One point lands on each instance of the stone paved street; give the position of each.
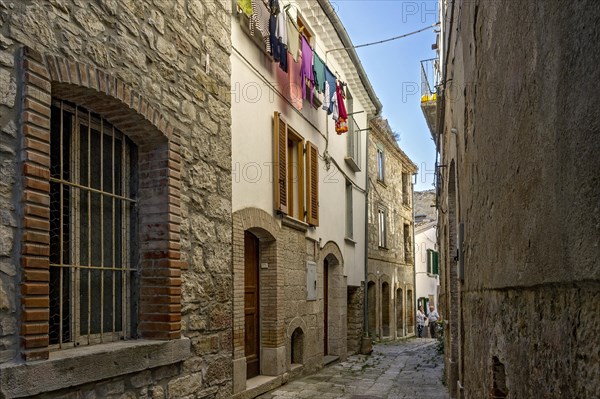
(404, 369)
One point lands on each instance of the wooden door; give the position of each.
(325, 305)
(251, 306)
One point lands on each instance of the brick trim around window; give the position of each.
(159, 165)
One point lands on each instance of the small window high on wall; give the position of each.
(382, 223)
(349, 211)
(380, 164)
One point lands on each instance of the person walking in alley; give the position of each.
(420, 321)
(433, 318)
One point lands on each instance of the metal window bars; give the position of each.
(91, 200)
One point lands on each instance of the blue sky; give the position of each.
(394, 67)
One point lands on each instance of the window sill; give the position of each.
(82, 365)
(382, 183)
(352, 164)
(294, 223)
(350, 241)
(385, 248)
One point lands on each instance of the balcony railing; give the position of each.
(430, 80)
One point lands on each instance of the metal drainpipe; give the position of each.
(414, 261)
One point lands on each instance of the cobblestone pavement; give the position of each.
(403, 369)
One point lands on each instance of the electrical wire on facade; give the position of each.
(385, 40)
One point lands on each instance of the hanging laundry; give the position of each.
(293, 38)
(306, 71)
(282, 37)
(341, 124)
(275, 48)
(319, 70)
(259, 20)
(295, 82)
(329, 91)
(283, 57)
(281, 31)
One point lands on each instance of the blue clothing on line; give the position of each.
(331, 81)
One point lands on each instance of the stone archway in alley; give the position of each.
(410, 316)
(372, 308)
(399, 313)
(385, 308)
(334, 301)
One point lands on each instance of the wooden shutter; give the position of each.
(436, 262)
(312, 184)
(280, 190)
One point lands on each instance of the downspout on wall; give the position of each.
(366, 344)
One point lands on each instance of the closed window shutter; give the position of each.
(312, 184)
(280, 164)
(436, 267)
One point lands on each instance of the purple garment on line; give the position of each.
(306, 70)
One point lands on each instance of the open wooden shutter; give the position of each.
(280, 190)
(436, 262)
(312, 184)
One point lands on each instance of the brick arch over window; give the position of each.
(159, 165)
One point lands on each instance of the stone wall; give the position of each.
(526, 188)
(175, 56)
(394, 263)
(356, 317)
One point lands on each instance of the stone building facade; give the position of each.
(518, 199)
(391, 273)
(298, 205)
(115, 198)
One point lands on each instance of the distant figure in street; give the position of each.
(420, 321)
(433, 317)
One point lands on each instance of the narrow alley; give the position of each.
(402, 369)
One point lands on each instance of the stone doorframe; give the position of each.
(337, 299)
(390, 318)
(373, 319)
(272, 331)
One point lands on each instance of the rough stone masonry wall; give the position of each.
(161, 49)
(528, 187)
(356, 317)
(308, 314)
(390, 263)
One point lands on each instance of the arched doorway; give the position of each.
(385, 309)
(399, 313)
(410, 317)
(251, 305)
(372, 297)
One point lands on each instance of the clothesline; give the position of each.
(285, 8)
